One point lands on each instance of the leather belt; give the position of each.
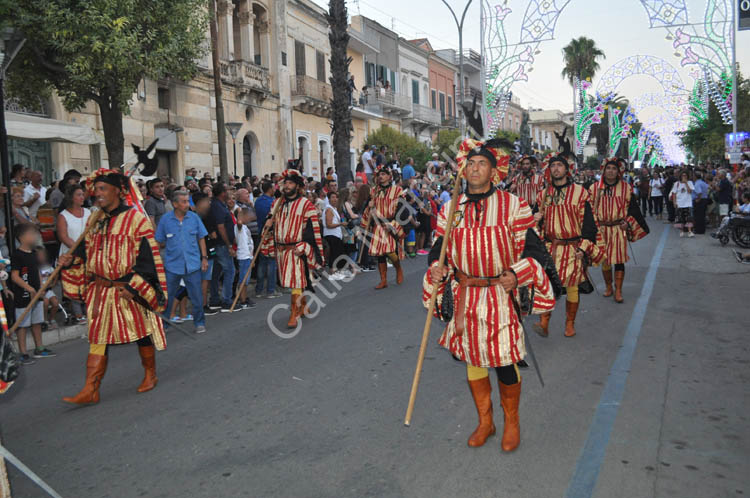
(465, 281)
(287, 244)
(563, 242)
(105, 282)
(611, 223)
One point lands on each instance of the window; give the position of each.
(450, 105)
(283, 59)
(163, 98)
(370, 74)
(442, 105)
(434, 97)
(415, 91)
(299, 58)
(320, 62)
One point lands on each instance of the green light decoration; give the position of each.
(619, 127)
(589, 112)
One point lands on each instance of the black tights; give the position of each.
(507, 375)
(142, 342)
(619, 266)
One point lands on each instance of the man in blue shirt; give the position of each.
(224, 261)
(181, 235)
(408, 170)
(266, 264)
(700, 202)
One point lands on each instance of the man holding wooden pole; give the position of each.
(125, 283)
(483, 270)
(293, 235)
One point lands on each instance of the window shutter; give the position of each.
(299, 58)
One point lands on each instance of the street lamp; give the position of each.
(460, 26)
(11, 42)
(234, 129)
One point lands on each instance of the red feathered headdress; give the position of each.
(496, 150)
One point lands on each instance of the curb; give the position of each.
(56, 336)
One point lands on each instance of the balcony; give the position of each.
(387, 101)
(449, 122)
(247, 77)
(311, 96)
(472, 61)
(365, 42)
(469, 93)
(426, 115)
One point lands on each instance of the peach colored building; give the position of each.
(442, 96)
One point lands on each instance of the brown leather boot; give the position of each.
(96, 366)
(148, 360)
(399, 271)
(304, 309)
(383, 268)
(294, 311)
(571, 309)
(481, 391)
(619, 277)
(607, 274)
(510, 397)
(542, 326)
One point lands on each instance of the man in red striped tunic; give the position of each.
(385, 231)
(296, 241)
(126, 285)
(483, 271)
(528, 183)
(618, 219)
(569, 230)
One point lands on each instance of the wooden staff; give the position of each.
(92, 221)
(433, 299)
(255, 257)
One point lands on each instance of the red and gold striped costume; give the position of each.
(488, 237)
(611, 205)
(121, 248)
(384, 241)
(295, 228)
(562, 229)
(528, 187)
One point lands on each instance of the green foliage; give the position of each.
(447, 141)
(102, 49)
(580, 59)
(591, 162)
(705, 141)
(510, 136)
(406, 145)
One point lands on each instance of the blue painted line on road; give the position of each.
(589, 462)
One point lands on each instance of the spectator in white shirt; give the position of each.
(368, 162)
(682, 196)
(245, 250)
(34, 194)
(656, 184)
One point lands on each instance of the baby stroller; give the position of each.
(736, 226)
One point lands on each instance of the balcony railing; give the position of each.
(450, 122)
(425, 114)
(367, 37)
(246, 75)
(310, 87)
(469, 93)
(469, 56)
(390, 100)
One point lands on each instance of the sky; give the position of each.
(619, 27)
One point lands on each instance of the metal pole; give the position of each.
(734, 75)
(482, 74)
(5, 168)
(234, 153)
(460, 26)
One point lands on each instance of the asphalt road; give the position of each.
(241, 412)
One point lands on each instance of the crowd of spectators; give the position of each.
(208, 229)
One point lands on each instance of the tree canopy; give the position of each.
(100, 50)
(406, 145)
(580, 59)
(705, 141)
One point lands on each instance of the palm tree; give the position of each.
(340, 111)
(580, 59)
